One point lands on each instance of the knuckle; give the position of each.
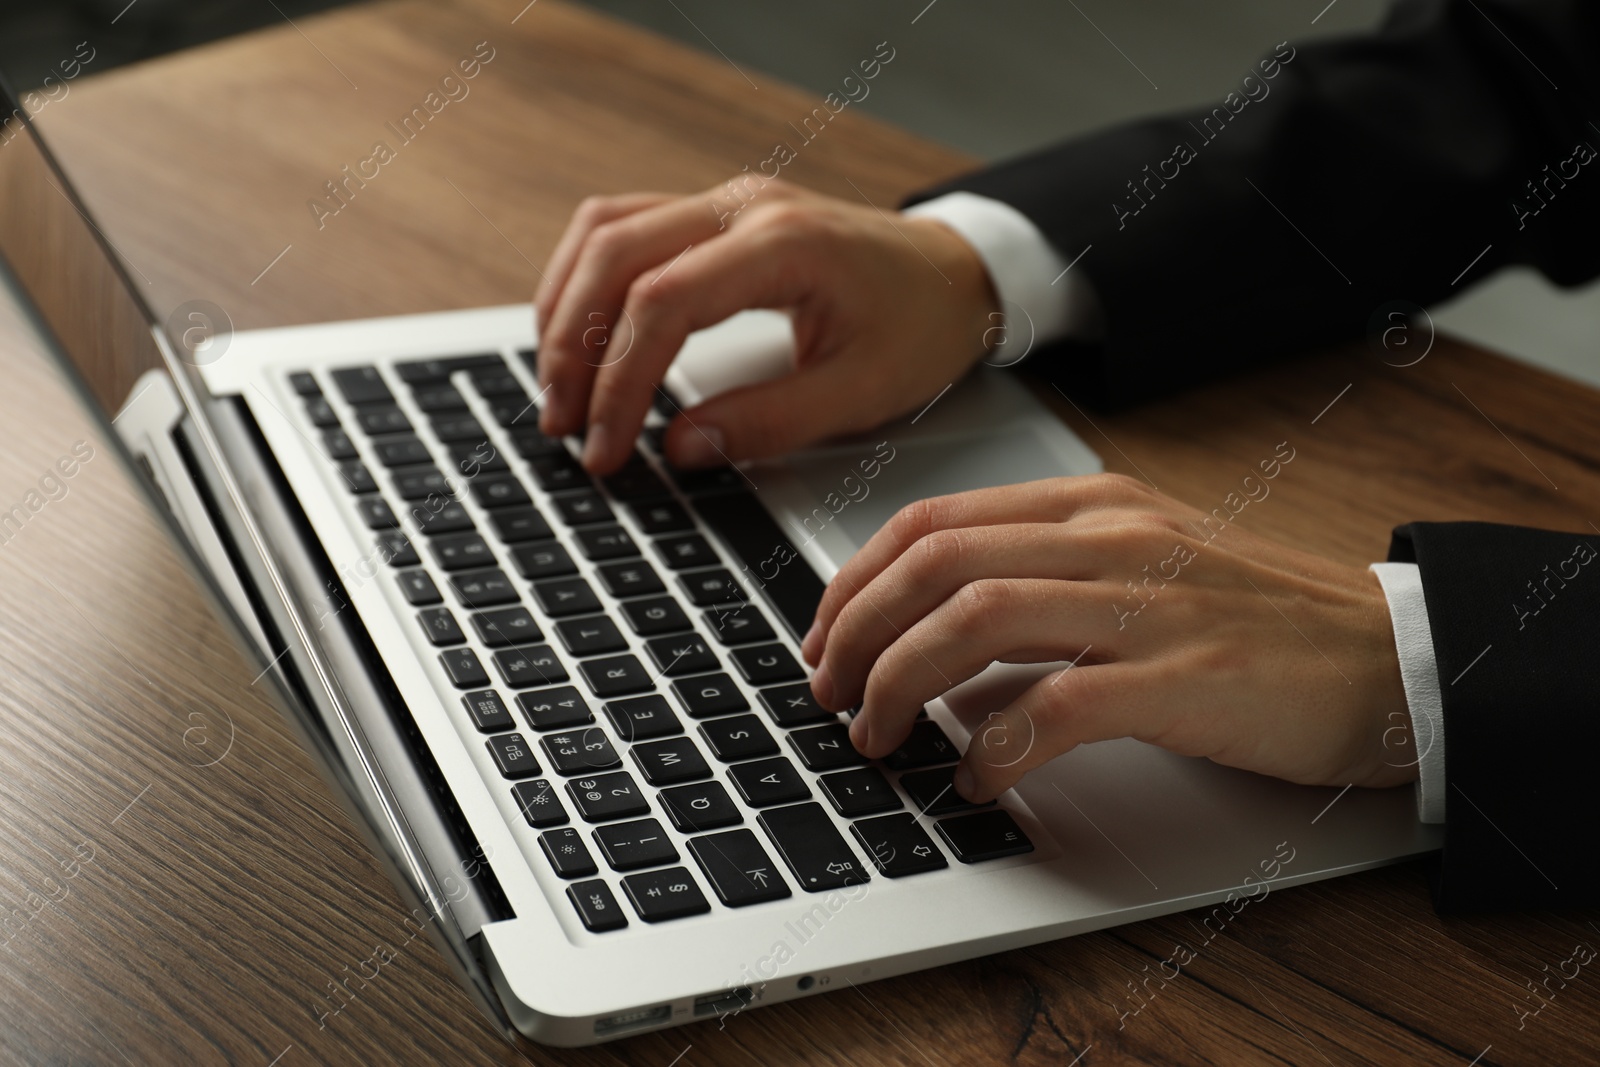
(917, 520)
(979, 603)
(940, 552)
(1115, 486)
(592, 210)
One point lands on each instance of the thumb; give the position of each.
(769, 418)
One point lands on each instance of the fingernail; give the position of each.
(594, 445)
(822, 685)
(963, 782)
(860, 734)
(700, 447)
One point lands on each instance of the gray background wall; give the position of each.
(994, 77)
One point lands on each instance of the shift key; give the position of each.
(812, 847)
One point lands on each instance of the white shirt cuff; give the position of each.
(1419, 673)
(1043, 296)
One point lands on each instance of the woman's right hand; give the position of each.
(888, 310)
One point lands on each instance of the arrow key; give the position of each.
(738, 868)
(898, 845)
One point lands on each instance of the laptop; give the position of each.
(572, 711)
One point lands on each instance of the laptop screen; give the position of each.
(74, 278)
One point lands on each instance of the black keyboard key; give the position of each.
(860, 792)
(710, 480)
(539, 803)
(662, 895)
(506, 626)
(596, 907)
(632, 577)
(461, 552)
(558, 472)
(642, 718)
(670, 761)
(766, 664)
(600, 543)
(580, 509)
(738, 737)
(709, 694)
(984, 835)
(420, 483)
(933, 792)
(698, 807)
(395, 548)
(567, 853)
(379, 419)
(812, 847)
(616, 676)
(794, 705)
(759, 543)
(520, 524)
(304, 384)
(420, 371)
(484, 589)
(636, 481)
(686, 552)
(716, 586)
(826, 747)
(565, 596)
(462, 665)
(321, 413)
(555, 709)
(661, 516)
(418, 588)
(768, 781)
(496, 382)
(475, 458)
(627, 846)
(738, 625)
(356, 478)
(362, 385)
(455, 426)
(513, 756)
(580, 751)
(338, 446)
(526, 666)
(440, 515)
(660, 615)
(738, 868)
(499, 491)
(926, 746)
(607, 796)
(592, 636)
(530, 443)
(438, 397)
(441, 627)
(488, 711)
(376, 513)
(543, 560)
(402, 451)
(899, 845)
(678, 654)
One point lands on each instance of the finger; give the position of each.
(613, 256)
(1075, 706)
(995, 620)
(591, 213)
(942, 566)
(1050, 500)
(754, 267)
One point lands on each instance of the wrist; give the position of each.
(974, 302)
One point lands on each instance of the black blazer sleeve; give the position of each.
(1362, 171)
(1516, 618)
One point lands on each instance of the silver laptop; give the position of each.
(573, 712)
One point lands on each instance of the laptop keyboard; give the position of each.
(620, 675)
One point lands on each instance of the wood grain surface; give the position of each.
(228, 885)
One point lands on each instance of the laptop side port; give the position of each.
(631, 1020)
(724, 1002)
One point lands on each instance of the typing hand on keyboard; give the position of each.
(1187, 632)
(888, 310)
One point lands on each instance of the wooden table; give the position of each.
(227, 884)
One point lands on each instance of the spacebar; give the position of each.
(771, 562)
